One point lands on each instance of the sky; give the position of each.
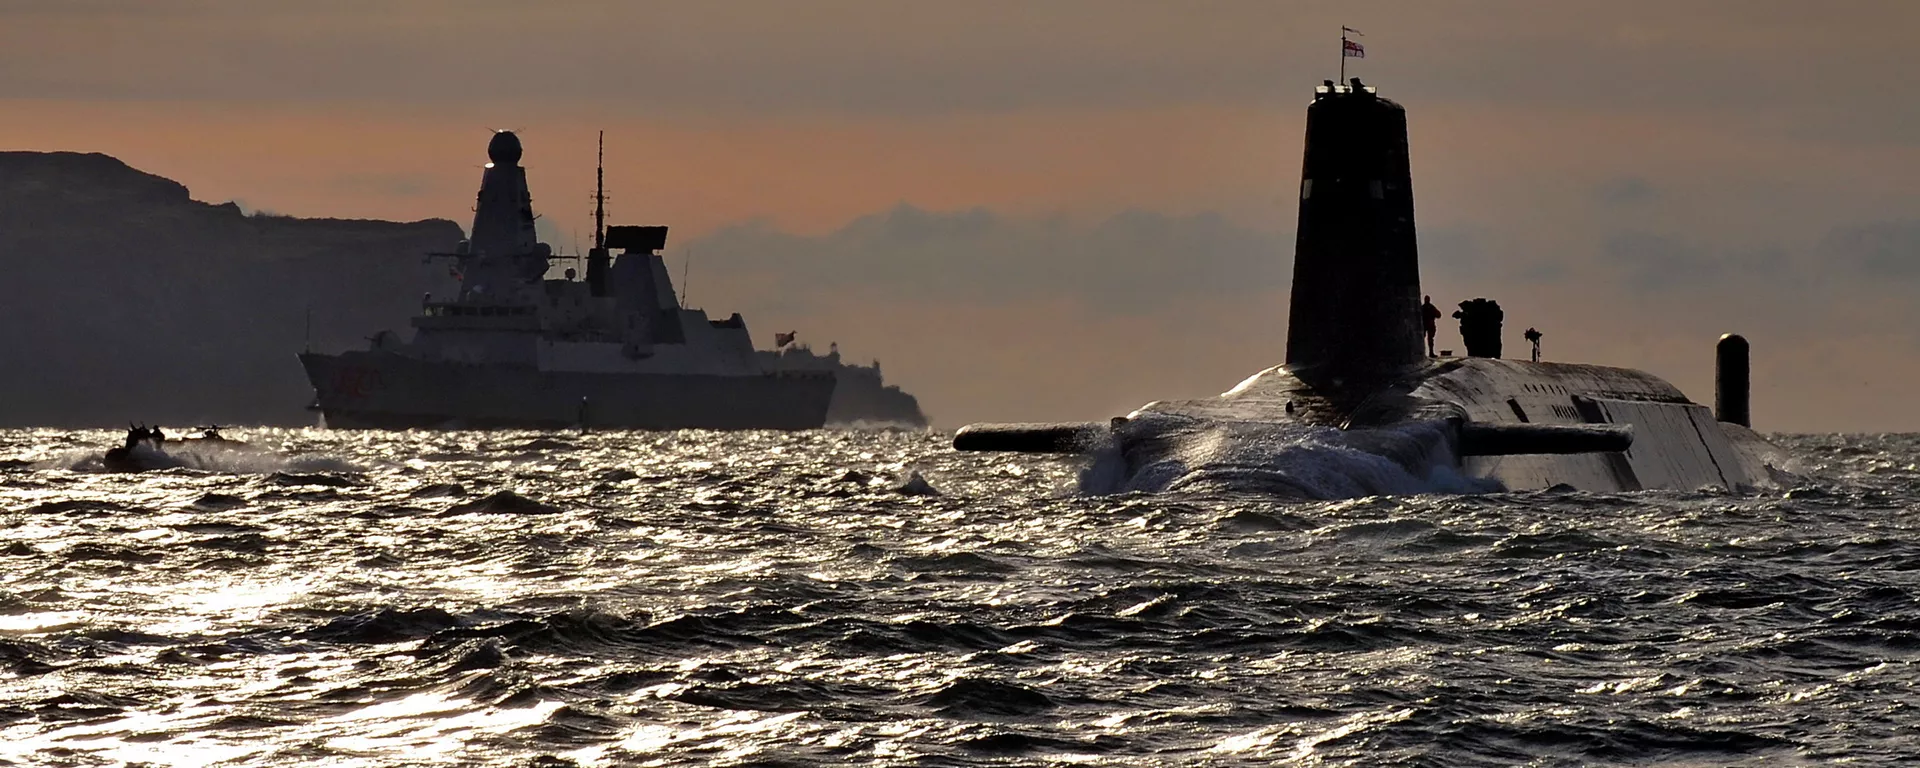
(1065, 209)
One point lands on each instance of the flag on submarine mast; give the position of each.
(1349, 50)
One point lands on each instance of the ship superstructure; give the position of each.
(611, 349)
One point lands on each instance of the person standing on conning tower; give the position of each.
(1429, 321)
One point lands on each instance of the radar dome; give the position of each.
(504, 149)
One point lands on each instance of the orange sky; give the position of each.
(1561, 152)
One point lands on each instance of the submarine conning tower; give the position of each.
(1356, 271)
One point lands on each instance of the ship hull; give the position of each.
(861, 398)
(376, 390)
(860, 402)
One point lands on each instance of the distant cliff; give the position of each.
(122, 298)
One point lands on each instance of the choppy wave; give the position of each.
(512, 599)
(1299, 461)
(213, 457)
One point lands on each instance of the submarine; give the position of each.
(1360, 408)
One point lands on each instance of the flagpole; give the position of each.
(1347, 48)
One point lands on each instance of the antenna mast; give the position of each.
(600, 195)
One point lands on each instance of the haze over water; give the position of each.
(772, 599)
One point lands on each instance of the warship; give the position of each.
(513, 349)
(1360, 408)
(861, 395)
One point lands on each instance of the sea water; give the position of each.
(874, 598)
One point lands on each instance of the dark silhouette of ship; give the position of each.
(611, 349)
(861, 395)
(1357, 371)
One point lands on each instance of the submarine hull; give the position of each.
(375, 390)
(1675, 444)
(1357, 410)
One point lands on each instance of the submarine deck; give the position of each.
(1678, 444)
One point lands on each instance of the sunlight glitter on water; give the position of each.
(40, 622)
(418, 725)
(237, 601)
(704, 598)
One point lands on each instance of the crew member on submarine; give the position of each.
(1430, 321)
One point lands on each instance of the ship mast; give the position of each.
(598, 263)
(600, 195)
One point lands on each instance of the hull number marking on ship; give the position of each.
(356, 382)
